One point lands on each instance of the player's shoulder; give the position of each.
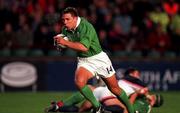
(134, 81)
(85, 23)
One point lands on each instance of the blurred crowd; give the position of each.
(124, 26)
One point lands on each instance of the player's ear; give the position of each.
(159, 100)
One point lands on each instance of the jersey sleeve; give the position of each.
(86, 35)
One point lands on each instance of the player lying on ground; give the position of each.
(134, 87)
(142, 103)
(141, 100)
(109, 102)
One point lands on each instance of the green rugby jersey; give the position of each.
(85, 34)
(142, 105)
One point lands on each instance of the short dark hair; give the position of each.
(159, 100)
(73, 11)
(130, 70)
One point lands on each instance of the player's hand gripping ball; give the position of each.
(61, 36)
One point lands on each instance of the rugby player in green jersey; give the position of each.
(92, 61)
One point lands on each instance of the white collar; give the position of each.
(78, 22)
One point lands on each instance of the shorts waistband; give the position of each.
(84, 58)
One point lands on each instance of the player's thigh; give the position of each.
(82, 75)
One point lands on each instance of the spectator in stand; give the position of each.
(139, 11)
(108, 20)
(7, 37)
(171, 7)
(35, 12)
(51, 16)
(24, 37)
(158, 40)
(174, 29)
(41, 36)
(9, 14)
(123, 18)
(160, 16)
(135, 39)
(103, 39)
(116, 38)
(22, 20)
(101, 9)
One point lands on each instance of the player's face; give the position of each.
(69, 21)
(136, 74)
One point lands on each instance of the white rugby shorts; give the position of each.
(99, 64)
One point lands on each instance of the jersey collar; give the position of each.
(78, 22)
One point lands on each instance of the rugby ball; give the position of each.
(64, 37)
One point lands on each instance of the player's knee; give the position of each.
(80, 84)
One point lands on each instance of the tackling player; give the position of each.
(137, 91)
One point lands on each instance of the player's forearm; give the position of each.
(133, 98)
(76, 46)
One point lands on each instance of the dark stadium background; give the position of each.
(144, 34)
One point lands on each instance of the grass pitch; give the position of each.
(27, 102)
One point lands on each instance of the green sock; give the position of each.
(74, 99)
(88, 94)
(123, 98)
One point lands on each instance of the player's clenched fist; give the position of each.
(60, 40)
